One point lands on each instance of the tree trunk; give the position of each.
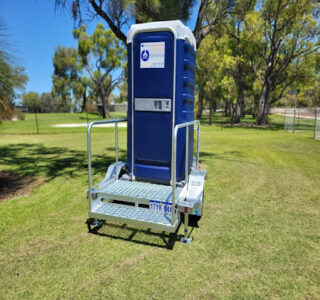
(231, 113)
(263, 104)
(105, 112)
(200, 102)
(238, 112)
(210, 111)
(240, 101)
(214, 107)
(226, 109)
(84, 101)
(210, 104)
(242, 109)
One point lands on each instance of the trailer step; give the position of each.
(133, 215)
(141, 191)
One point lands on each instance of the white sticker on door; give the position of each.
(152, 55)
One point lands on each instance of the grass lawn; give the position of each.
(258, 238)
(46, 122)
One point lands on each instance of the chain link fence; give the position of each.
(289, 119)
(302, 119)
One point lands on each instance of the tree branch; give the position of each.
(116, 29)
(91, 75)
(257, 73)
(198, 26)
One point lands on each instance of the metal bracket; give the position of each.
(186, 240)
(97, 224)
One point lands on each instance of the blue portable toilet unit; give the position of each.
(161, 79)
(165, 184)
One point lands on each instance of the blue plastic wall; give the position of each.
(153, 130)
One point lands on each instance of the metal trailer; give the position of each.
(161, 184)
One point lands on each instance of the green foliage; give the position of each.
(216, 67)
(66, 68)
(263, 51)
(20, 116)
(123, 96)
(12, 78)
(32, 100)
(48, 103)
(288, 31)
(162, 10)
(103, 50)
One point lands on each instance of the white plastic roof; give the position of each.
(182, 32)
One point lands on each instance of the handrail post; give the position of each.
(89, 163)
(173, 175)
(198, 145)
(186, 176)
(117, 150)
(116, 121)
(173, 158)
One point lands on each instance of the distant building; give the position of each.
(22, 108)
(117, 107)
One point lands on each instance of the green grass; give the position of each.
(47, 120)
(258, 238)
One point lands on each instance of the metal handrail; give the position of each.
(116, 121)
(174, 158)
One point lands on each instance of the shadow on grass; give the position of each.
(234, 156)
(114, 149)
(14, 185)
(51, 162)
(247, 122)
(146, 237)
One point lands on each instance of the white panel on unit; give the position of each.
(151, 104)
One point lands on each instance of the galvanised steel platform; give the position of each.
(138, 216)
(141, 192)
(120, 198)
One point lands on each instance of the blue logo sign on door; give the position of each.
(145, 55)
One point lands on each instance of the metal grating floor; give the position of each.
(132, 213)
(141, 190)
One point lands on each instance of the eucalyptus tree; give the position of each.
(102, 56)
(79, 89)
(304, 80)
(119, 14)
(66, 72)
(216, 66)
(284, 30)
(235, 28)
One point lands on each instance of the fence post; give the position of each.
(294, 119)
(285, 119)
(315, 124)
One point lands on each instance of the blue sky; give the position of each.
(35, 30)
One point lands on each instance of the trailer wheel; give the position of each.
(94, 225)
